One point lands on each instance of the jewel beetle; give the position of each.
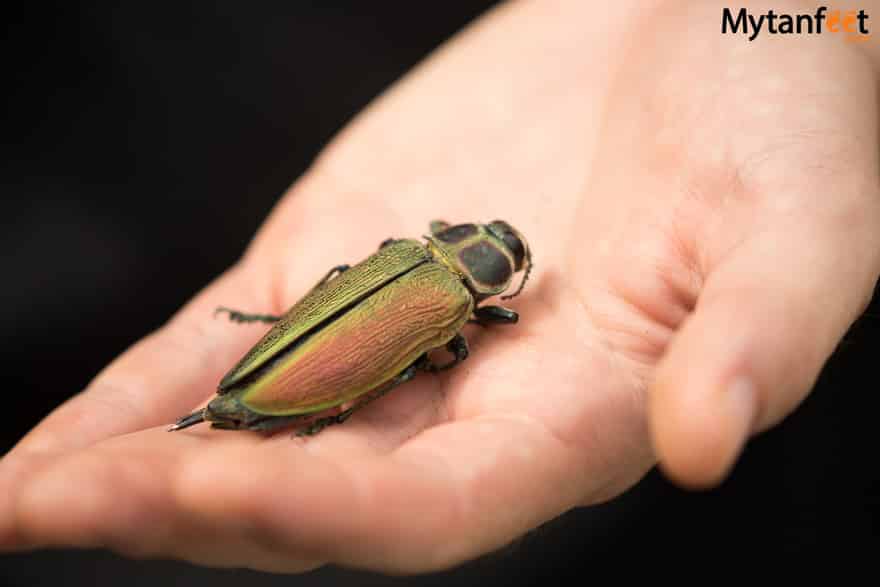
(365, 329)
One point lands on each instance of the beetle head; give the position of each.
(487, 255)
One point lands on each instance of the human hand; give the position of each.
(698, 212)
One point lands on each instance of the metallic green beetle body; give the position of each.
(357, 335)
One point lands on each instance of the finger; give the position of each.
(159, 378)
(435, 502)
(766, 322)
(15, 471)
(119, 495)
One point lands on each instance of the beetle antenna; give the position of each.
(525, 278)
(187, 421)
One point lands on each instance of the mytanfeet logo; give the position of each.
(852, 24)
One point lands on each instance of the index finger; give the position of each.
(159, 378)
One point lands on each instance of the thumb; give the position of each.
(765, 323)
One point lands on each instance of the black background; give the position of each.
(143, 146)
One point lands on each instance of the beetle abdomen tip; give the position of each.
(187, 421)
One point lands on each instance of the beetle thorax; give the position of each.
(472, 251)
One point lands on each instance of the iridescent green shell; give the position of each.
(353, 353)
(327, 301)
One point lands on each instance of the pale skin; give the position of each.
(704, 214)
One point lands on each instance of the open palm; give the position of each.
(691, 242)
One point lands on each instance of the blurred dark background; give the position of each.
(143, 146)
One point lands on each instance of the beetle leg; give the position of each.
(438, 226)
(342, 416)
(458, 346)
(494, 315)
(237, 316)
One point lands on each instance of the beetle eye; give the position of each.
(507, 235)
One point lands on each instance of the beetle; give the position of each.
(363, 330)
